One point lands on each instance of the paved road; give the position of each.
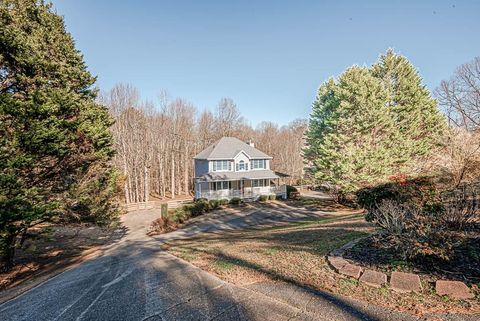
(135, 280)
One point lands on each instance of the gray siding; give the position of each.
(201, 167)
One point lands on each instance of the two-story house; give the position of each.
(232, 168)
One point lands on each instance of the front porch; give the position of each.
(243, 189)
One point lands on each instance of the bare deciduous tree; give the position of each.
(156, 144)
(460, 96)
(459, 157)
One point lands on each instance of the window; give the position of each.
(259, 183)
(258, 164)
(221, 185)
(222, 165)
(242, 166)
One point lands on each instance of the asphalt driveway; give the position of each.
(135, 280)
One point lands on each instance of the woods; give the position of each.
(155, 143)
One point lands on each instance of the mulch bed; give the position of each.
(379, 252)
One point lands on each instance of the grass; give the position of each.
(271, 251)
(296, 253)
(223, 264)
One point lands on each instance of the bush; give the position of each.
(263, 198)
(214, 204)
(272, 197)
(291, 189)
(461, 208)
(181, 214)
(235, 201)
(201, 200)
(223, 202)
(199, 207)
(162, 225)
(420, 193)
(430, 227)
(390, 216)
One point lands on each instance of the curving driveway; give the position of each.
(135, 280)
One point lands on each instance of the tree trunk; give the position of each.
(186, 171)
(173, 177)
(9, 253)
(146, 182)
(162, 176)
(127, 191)
(137, 192)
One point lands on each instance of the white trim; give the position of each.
(229, 165)
(242, 151)
(223, 158)
(252, 168)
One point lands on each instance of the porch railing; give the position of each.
(248, 192)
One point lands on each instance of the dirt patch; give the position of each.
(296, 254)
(50, 249)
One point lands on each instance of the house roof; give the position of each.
(228, 148)
(234, 176)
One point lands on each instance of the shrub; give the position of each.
(223, 202)
(415, 233)
(162, 225)
(201, 200)
(390, 216)
(272, 197)
(290, 189)
(423, 231)
(235, 201)
(199, 207)
(263, 198)
(420, 193)
(461, 208)
(213, 204)
(181, 214)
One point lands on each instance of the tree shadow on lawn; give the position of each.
(319, 301)
(138, 281)
(324, 205)
(318, 241)
(333, 229)
(311, 204)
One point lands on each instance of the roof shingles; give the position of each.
(228, 148)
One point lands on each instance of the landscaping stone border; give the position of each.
(399, 281)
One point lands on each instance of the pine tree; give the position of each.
(55, 145)
(370, 124)
(351, 131)
(416, 113)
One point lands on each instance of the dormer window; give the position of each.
(242, 166)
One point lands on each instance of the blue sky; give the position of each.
(268, 56)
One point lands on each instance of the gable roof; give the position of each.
(228, 148)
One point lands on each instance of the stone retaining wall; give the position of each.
(399, 281)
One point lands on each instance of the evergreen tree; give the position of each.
(55, 145)
(370, 124)
(416, 114)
